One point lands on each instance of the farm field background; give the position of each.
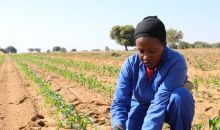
(75, 90)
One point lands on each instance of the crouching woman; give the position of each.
(150, 88)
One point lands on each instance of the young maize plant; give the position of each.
(104, 70)
(2, 58)
(67, 115)
(214, 123)
(199, 63)
(214, 80)
(91, 82)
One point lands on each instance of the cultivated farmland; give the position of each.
(75, 90)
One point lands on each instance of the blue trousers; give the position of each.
(179, 113)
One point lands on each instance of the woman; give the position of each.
(150, 84)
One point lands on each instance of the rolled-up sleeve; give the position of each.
(122, 99)
(174, 79)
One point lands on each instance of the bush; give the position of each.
(183, 45)
(107, 48)
(56, 48)
(115, 54)
(11, 49)
(73, 50)
(173, 46)
(2, 50)
(63, 49)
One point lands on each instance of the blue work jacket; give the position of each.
(135, 91)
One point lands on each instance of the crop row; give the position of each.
(88, 81)
(210, 81)
(2, 58)
(114, 55)
(67, 115)
(103, 69)
(214, 124)
(207, 61)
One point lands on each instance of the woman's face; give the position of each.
(149, 50)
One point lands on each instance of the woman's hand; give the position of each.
(189, 85)
(118, 127)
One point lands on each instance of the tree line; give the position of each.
(12, 49)
(124, 35)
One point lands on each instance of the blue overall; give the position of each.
(141, 104)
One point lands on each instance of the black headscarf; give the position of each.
(151, 26)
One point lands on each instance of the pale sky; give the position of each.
(85, 24)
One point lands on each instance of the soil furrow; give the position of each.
(18, 109)
(83, 98)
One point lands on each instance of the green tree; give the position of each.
(173, 46)
(34, 49)
(192, 46)
(200, 44)
(56, 48)
(216, 45)
(123, 35)
(37, 50)
(63, 49)
(2, 50)
(183, 45)
(174, 36)
(30, 49)
(96, 50)
(73, 50)
(11, 49)
(107, 48)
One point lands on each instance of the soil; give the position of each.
(85, 100)
(20, 105)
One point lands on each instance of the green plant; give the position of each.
(214, 123)
(215, 80)
(197, 126)
(197, 81)
(104, 70)
(89, 81)
(110, 90)
(199, 63)
(2, 58)
(67, 115)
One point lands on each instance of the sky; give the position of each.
(86, 24)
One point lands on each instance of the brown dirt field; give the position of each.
(20, 107)
(207, 97)
(83, 98)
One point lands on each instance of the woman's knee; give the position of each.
(182, 96)
(180, 108)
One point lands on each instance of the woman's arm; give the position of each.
(174, 79)
(122, 100)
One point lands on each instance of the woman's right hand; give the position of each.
(118, 127)
(189, 85)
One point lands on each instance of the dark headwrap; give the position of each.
(151, 26)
